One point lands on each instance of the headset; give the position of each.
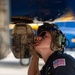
(60, 38)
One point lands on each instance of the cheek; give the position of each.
(44, 44)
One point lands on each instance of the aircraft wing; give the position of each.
(39, 9)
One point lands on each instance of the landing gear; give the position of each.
(25, 62)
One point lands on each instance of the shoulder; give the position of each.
(68, 59)
(59, 62)
(62, 66)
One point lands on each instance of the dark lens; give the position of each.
(42, 34)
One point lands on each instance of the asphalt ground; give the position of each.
(11, 66)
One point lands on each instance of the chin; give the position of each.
(37, 48)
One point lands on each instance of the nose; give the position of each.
(38, 38)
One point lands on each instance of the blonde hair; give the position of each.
(55, 41)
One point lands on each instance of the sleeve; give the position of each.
(63, 67)
(41, 72)
(64, 70)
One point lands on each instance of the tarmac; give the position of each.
(11, 66)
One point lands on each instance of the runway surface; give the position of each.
(12, 66)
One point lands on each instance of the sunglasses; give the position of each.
(42, 34)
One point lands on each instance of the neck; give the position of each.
(46, 55)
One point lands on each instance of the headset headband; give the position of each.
(47, 27)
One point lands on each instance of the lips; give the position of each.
(36, 43)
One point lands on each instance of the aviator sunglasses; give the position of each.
(42, 34)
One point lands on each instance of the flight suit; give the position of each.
(59, 64)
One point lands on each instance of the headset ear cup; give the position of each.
(60, 40)
(64, 41)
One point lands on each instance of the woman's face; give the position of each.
(43, 41)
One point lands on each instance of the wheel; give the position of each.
(25, 62)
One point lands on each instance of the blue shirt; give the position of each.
(59, 64)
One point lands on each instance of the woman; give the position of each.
(49, 45)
